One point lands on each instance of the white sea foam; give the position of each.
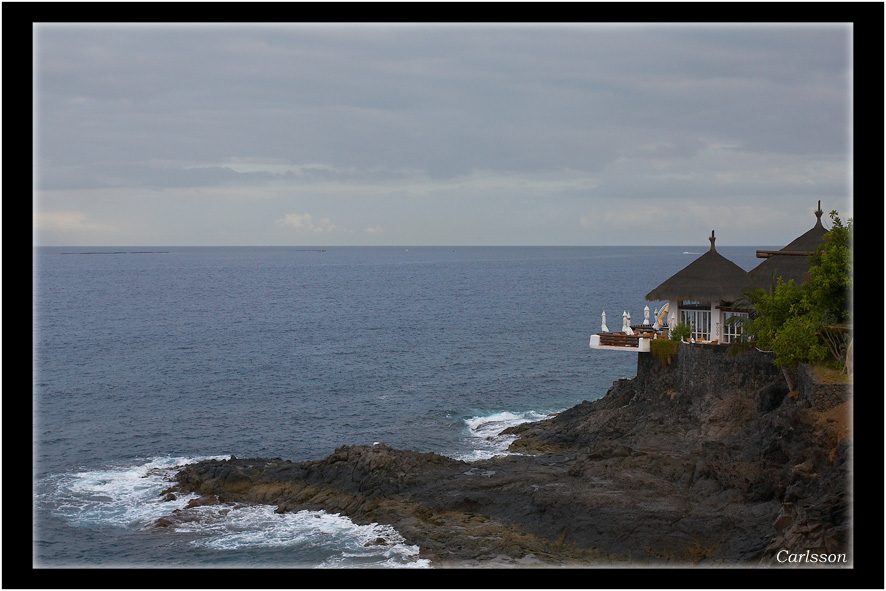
(126, 496)
(233, 528)
(485, 435)
(130, 497)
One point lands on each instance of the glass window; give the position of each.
(731, 332)
(699, 321)
(695, 304)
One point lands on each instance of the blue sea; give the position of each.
(148, 358)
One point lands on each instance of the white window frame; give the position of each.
(699, 322)
(731, 333)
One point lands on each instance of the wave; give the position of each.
(130, 497)
(484, 433)
(230, 528)
(123, 496)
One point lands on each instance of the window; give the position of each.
(731, 332)
(695, 305)
(699, 321)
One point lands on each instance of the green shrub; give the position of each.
(797, 341)
(664, 349)
(681, 332)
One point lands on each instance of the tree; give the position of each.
(797, 342)
(797, 322)
(782, 322)
(830, 291)
(830, 273)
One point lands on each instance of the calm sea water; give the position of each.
(147, 358)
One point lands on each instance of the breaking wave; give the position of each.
(484, 432)
(130, 497)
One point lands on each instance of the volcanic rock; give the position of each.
(705, 460)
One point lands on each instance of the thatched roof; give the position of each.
(789, 266)
(709, 278)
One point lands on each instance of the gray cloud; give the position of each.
(185, 106)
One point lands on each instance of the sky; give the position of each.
(439, 134)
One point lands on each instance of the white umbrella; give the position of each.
(646, 315)
(626, 323)
(605, 328)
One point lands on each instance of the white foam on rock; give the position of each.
(130, 497)
(485, 435)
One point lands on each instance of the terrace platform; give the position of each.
(635, 343)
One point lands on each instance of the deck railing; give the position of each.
(639, 341)
(619, 339)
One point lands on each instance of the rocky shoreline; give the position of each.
(703, 459)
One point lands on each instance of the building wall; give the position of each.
(702, 370)
(821, 396)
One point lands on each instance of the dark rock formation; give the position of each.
(705, 460)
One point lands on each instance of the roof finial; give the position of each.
(712, 239)
(818, 213)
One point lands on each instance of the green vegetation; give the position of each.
(810, 323)
(681, 332)
(664, 349)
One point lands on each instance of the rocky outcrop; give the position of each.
(704, 460)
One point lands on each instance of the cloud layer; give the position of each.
(439, 134)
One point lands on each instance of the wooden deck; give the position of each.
(619, 339)
(637, 342)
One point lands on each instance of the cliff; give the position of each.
(706, 459)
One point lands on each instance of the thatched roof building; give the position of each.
(709, 278)
(792, 261)
(707, 293)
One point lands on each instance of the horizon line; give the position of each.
(325, 246)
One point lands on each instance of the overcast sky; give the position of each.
(510, 134)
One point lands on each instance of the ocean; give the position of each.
(148, 358)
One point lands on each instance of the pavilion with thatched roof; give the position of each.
(699, 294)
(708, 291)
(792, 261)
